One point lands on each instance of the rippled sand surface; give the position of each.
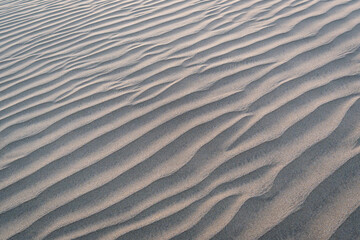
(180, 119)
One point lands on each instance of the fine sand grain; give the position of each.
(180, 119)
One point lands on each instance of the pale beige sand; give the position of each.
(183, 119)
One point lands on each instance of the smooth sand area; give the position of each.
(180, 119)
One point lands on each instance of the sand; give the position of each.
(180, 119)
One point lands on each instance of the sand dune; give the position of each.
(180, 119)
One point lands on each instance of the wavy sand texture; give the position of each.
(180, 119)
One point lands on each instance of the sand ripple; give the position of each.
(180, 119)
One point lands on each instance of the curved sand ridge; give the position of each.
(180, 119)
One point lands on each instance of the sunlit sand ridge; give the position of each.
(180, 119)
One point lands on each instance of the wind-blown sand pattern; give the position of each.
(180, 119)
